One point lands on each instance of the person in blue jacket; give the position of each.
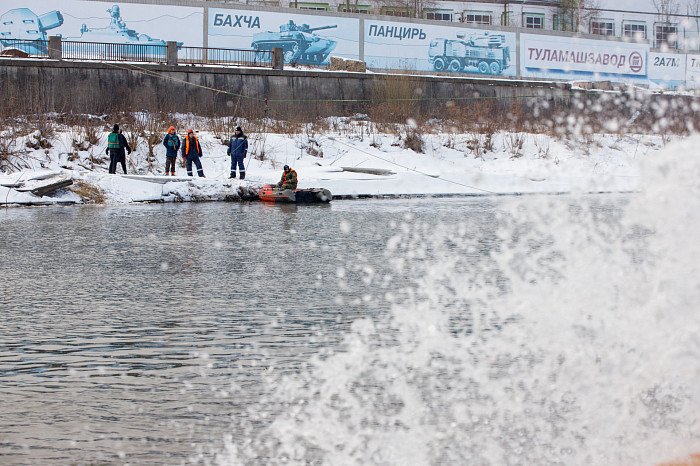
(172, 145)
(238, 149)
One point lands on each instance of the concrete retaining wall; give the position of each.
(96, 88)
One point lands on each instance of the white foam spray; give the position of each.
(571, 337)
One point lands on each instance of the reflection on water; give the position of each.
(143, 332)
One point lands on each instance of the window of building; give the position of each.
(666, 35)
(634, 30)
(310, 6)
(533, 20)
(265, 2)
(478, 17)
(361, 9)
(438, 15)
(401, 12)
(603, 27)
(555, 22)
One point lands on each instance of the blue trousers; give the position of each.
(237, 159)
(198, 164)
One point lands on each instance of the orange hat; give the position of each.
(189, 131)
(172, 128)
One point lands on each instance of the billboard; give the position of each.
(692, 72)
(564, 57)
(666, 70)
(304, 39)
(102, 22)
(427, 47)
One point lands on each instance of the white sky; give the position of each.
(632, 5)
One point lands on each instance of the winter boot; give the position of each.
(233, 175)
(243, 175)
(201, 173)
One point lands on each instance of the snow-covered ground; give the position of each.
(450, 164)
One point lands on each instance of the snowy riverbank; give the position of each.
(346, 164)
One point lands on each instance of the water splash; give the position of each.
(568, 335)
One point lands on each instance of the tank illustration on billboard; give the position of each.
(22, 24)
(300, 44)
(118, 33)
(487, 53)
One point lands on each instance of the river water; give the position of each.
(411, 331)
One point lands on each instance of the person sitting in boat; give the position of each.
(289, 179)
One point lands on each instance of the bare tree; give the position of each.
(666, 33)
(414, 8)
(576, 15)
(666, 9)
(693, 8)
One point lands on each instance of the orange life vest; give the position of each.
(187, 145)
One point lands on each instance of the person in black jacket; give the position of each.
(124, 146)
(113, 148)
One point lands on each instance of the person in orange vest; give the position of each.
(191, 152)
(289, 179)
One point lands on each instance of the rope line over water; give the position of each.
(409, 168)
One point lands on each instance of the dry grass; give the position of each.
(542, 146)
(413, 140)
(395, 99)
(8, 151)
(469, 124)
(222, 127)
(86, 133)
(514, 143)
(89, 194)
(149, 128)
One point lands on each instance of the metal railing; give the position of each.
(23, 48)
(137, 52)
(224, 57)
(100, 51)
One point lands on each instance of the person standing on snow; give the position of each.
(114, 149)
(191, 152)
(238, 149)
(172, 146)
(122, 154)
(289, 179)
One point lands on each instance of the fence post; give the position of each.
(171, 59)
(277, 59)
(55, 50)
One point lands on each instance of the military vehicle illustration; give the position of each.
(300, 44)
(118, 33)
(21, 25)
(487, 53)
